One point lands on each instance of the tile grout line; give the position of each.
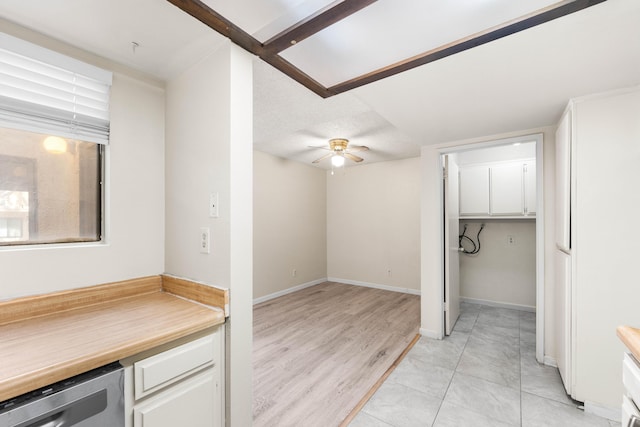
(455, 369)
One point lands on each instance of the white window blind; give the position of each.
(46, 92)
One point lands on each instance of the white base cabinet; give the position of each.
(179, 384)
(187, 404)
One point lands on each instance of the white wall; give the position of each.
(500, 272)
(134, 206)
(209, 149)
(373, 224)
(290, 224)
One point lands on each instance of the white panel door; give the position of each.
(507, 189)
(452, 255)
(563, 314)
(474, 190)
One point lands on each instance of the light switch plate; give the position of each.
(213, 205)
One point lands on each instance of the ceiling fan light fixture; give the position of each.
(337, 160)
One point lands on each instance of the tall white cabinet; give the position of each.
(597, 286)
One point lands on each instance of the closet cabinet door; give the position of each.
(507, 189)
(530, 195)
(474, 190)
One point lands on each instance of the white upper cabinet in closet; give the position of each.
(474, 190)
(505, 189)
(530, 195)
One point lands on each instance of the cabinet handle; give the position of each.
(634, 421)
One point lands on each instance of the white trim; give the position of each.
(540, 248)
(499, 304)
(609, 412)
(550, 361)
(430, 334)
(289, 290)
(375, 286)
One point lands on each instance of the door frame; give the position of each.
(432, 265)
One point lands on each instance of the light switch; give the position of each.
(205, 240)
(213, 205)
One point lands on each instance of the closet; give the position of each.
(497, 191)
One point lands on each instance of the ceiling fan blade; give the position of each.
(358, 148)
(319, 148)
(352, 157)
(323, 157)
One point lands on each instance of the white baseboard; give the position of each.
(499, 304)
(430, 334)
(375, 286)
(608, 412)
(289, 290)
(550, 361)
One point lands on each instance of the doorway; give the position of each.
(523, 227)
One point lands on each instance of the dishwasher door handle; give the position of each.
(71, 413)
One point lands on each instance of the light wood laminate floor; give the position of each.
(318, 351)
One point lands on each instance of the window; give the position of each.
(48, 194)
(54, 124)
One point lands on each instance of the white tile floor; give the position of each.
(484, 374)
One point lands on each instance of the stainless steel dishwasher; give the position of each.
(91, 399)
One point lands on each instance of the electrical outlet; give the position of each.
(205, 240)
(511, 240)
(389, 272)
(294, 272)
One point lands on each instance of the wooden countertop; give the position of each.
(631, 338)
(90, 328)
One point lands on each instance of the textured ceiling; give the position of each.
(289, 119)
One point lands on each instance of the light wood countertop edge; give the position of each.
(204, 294)
(631, 338)
(71, 367)
(71, 303)
(19, 309)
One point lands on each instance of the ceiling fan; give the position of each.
(339, 151)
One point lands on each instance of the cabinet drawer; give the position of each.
(158, 371)
(631, 377)
(629, 411)
(190, 403)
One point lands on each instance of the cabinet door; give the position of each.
(192, 403)
(563, 316)
(530, 195)
(474, 190)
(507, 189)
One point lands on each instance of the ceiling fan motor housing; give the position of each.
(338, 144)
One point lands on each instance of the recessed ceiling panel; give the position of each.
(266, 18)
(390, 31)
